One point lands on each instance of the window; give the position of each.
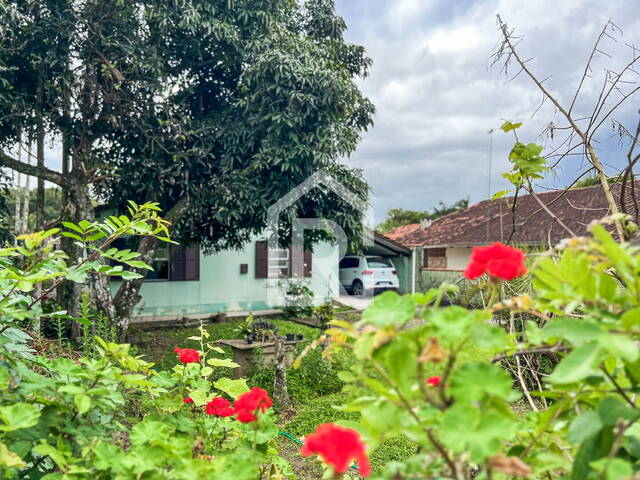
(160, 263)
(435, 258)
(170, 262)
(349, 262)
(378, 262)
(279, 263)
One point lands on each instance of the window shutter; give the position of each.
(261, 266)
(308, 259)
(425, 258)
(177, 263)
(192, 264)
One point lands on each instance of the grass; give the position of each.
(157, 345)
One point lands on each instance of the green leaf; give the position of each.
(222, 362)
(106, 455)
(611, 409)
(508, 126)
(466, 428)
(56, 455)
(631, 318)
(574, 330)
(584, 426)
(454, 323)
(613, 468)
(9, 459)
(577, 365)
(83, 403)
(18, 416)
(4, 379)
(500, 194)
(72, 235)
(390, 308)
(473, 381)
(233, 388)
(150, 431)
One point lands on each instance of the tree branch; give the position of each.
(509, 49)
(32, 170)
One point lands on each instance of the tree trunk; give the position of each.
(280, 391)
(79, 207)
(40, 153)
(128, 294)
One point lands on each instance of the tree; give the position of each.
(397, 217)
(581, 124)
(214, 108)
(51, 211)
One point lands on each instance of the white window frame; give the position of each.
(279, 263)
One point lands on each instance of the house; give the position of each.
(442, 248)
(187, 283)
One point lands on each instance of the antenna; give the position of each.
(490, 132)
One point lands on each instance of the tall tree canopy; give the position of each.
(212, 107)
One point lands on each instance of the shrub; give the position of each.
(408, 379)
(109, 414)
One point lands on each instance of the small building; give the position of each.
(442, 248)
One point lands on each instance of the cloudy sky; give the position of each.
(437, 95)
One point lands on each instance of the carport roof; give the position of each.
(385, 246)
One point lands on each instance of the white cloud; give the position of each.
(437, 97)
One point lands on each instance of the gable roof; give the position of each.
(492, 220)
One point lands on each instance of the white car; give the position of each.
(367, 274)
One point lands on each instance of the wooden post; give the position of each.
(280, 392)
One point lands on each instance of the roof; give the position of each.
(390, 243)
(493, 221)
(398, 233)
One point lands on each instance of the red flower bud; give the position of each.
(187, 355)
(338, 447)
(499, 261)
(219, 407)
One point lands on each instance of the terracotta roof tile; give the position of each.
(492, 220)
(398, 233)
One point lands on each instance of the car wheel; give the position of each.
(357, 288)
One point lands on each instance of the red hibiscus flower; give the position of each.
(187, 400)
(247, 405)
(433, 381)
(220, 407)
(337, 446)
(499, 261)
(187, 355)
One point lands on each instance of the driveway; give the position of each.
(358, 303)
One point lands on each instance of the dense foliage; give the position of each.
(215, 108)
(398, 217)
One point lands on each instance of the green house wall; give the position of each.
(403, 269)
(222, 288)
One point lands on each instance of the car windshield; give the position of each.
(378, 262)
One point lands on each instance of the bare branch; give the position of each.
(508, 49)
(587, 67)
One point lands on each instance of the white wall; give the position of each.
(458, 257)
